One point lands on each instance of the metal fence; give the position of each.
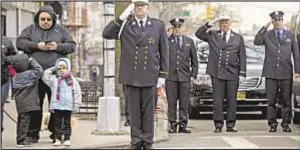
(91, 92)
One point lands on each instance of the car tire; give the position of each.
(194, 113)
(295, 115)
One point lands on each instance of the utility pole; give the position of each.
(109, 114)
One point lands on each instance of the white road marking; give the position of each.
(239, 142)
(297, 138)
(194, 148)
(255, 136)
(225, 148)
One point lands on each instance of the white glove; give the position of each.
(213, 22)
(161, 82)
(126, 12)
(192, 80)
(242, 79)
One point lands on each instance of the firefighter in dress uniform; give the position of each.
(144, 66)
(280, 44)
(183, 69)
(226, 66)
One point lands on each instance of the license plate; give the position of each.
(241, 96)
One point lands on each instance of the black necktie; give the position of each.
(224, 37)
(178, 41)
(278, 35)
(142, 27)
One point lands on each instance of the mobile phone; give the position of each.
(48, 42)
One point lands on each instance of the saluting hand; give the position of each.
(126, 12)
(297, 76)
(268, 24)
(214, 21)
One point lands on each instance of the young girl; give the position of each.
(66, 98)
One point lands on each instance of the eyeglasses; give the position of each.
(62, 68)
(140, 5)
(44, 19)
(277, 19)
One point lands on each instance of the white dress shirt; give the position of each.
(228, 33)
(138, 21)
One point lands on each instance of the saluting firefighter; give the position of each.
(144, 66)
(279, 44)
(226, 66)
(183, 69)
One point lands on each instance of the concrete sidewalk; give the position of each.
(82, 137)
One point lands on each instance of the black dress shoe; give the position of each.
(273, 129)
(136, 146)
(173, 128)
(286, 129)
(184, 130)
(172, 131)
(147, 146)
(52, 138)
(32, 140)
(218, 130)
(127, 123)
(231, 130)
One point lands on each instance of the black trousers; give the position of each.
(36, 127)
(272, 88)
(178, 91)
(24, 123)
(126, 104)
(224, 89)
(141, 113)
(62, 124)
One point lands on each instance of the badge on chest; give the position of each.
(151, 40)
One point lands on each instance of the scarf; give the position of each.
(68, 78)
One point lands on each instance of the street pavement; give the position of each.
(252, 134)
(82, 137)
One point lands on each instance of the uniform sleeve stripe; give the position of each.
(116, 23)
(163, 72)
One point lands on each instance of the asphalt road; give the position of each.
(252, 134)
